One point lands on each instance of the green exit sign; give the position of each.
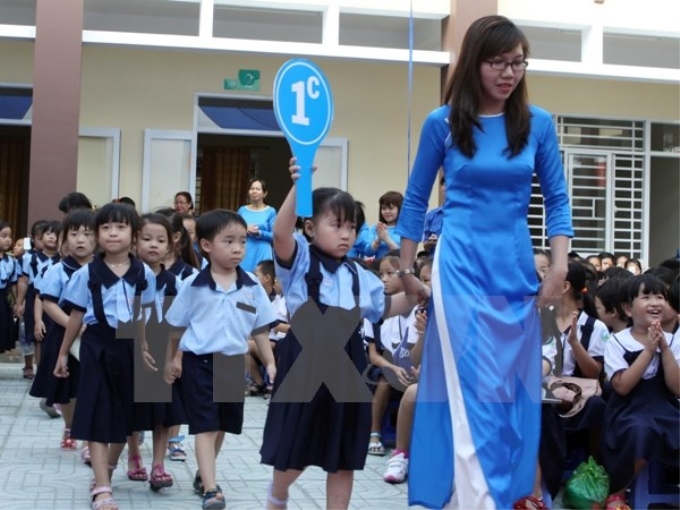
(248, 79)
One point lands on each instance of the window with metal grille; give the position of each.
(603, 161)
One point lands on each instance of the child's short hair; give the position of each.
(360, 215)
(616, 272)
(663, 273)
(391, 198)
(158, 219)
(52, 226)
(427, 262)
(126, 200)
(333, 200)
(38, 228)
(609, 294)
(78, 218)
(266, 267)
(211, 223)
(74, 200)
(117, 213)
(393, 258)
(648, 283)
(606, 255)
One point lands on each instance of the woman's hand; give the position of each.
(253, 230)
(414, 288)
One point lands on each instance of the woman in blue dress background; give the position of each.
(260, 219)
(478, 407)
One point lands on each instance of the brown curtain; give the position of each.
(225, 172)
(15, 153)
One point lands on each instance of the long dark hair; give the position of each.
(486, 38)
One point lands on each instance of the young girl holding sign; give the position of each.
(324, 291)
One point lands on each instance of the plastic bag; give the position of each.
(587, 488)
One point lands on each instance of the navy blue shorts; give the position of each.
(213, 393)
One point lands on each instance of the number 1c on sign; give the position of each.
(312, 90)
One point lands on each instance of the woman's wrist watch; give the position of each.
(403, 272)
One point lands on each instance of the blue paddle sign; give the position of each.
(303, 105)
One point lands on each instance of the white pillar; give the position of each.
(331, 24)
(205, 25)
(592, 44)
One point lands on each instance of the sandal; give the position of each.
(139, 473)
(198, 485)
(375, 447)
(105, 503)
(214, 500)
(281, 503)
(68, 444)
(28, 373)
(616, 502)
(176, 449)
(253, 389)
(531, 502)
(112, 468)
(85, 455)
(159, 478)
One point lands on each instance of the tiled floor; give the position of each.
(34, 473)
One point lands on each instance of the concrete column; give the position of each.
(56, 106)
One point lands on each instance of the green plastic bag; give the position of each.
(587, 488)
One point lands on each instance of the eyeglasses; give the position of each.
(502, 65)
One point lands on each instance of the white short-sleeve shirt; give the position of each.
(335, 289)
(623, 341)
(595, 348)
(217, 319)
(118, 293)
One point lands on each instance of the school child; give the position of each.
(28, 266)
(392, 358)
(320, 411)
(609, 306)
(382, 237)
(157, 404)
(8, 288)
(108, 296)
(78, 239)
(583, 338)
(396, 470)
(277, 330)
(50, 255)
(212, 316)
(642, 418)
(182, 262)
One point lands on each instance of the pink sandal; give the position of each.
(139, 473)
(159, 478)
(103, 504)
(68, 444)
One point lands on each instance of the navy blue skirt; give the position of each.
(322, 432)
(212, 392)
(103, 413)
(45, 385)
(156, 402)
(645, 424)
